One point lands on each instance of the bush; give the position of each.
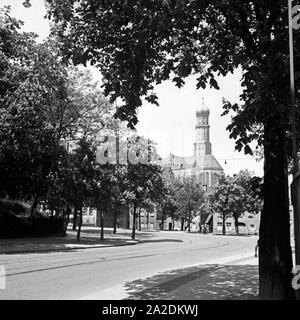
(13, 226)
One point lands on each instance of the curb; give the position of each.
(69, 249)
(235, 258)
(224, 261)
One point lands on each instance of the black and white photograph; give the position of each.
(149, 152)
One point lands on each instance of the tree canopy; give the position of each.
(234, 196)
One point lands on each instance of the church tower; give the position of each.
(202, 146)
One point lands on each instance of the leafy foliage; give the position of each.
(33, 88)
(234, 196)
(190, 196)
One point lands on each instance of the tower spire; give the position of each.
(202, 144)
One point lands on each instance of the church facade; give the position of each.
(202, 164)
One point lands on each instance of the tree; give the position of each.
(33, 86)
(104, 192)
(139, 43)
(118, 200)
(45, 105)
(82, 178)
(89, 113)
(149, 207)
(227, 199)
(190, 196)
(251, 201)
(134, 160)
(233, 196)
(59, 197)
(206, 209)
(168, 203)
(143, 183)
(125, 175)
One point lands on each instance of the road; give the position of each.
(101, 273)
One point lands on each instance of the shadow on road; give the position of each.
(89, 238)
(206, 282)
(235, 235)
(59, 246)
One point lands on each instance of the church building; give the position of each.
(202, 164)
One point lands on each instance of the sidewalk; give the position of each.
(90, 238)
(231, 280)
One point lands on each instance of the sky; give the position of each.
(172, 124)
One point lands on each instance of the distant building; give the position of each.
(123, 219)
(148, 220)
(89, 216)
(248, 224)
(70, 144)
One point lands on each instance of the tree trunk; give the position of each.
(148, 220)
(33, 206)
(75, 218)
(189, 229)
(115, 221)
(101, 224)
(275, 255)
(163, 220)
(182, 223)
(133, 223)
(67, 220)
(223, 224)
(236, 224)
(140, 225)
(200, 222)
(80, 224)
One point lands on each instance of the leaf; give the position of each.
(248, 150)
(214, 84)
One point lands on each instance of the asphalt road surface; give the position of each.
(101, 273)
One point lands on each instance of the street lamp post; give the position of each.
(295, 188)
(292, 81)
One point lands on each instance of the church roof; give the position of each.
(203, 162)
